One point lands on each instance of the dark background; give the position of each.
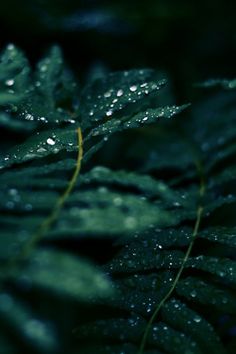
(190, 40)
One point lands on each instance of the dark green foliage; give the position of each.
(170, 223)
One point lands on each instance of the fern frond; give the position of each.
(175, 283)
(43, 201)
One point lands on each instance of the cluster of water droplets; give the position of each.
(43, 144)
(24, 91)
(116, 98)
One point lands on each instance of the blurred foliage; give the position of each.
(191, 40)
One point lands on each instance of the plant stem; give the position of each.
(187, 254)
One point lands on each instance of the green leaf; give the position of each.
(111, 94)
(133, 248)
(42, 144)
(36, 333)
(69, 276)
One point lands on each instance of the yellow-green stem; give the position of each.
(187, 254)
(45, 226)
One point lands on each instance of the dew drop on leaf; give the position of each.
(9, 82)
(29, 117)
(50, 141)
(119, 93)
(109, 113)
(107, 94)
(197, 319)
(133, 88)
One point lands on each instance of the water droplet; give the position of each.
(10, 47)
(107, 94)
(29, 117)
(133, 88)
(109, 113)
(10, 82)
(13, 191)
(120, 93)
(43, 68)
(197, 319)
(50, 141)
(221, 274)
(43, 119)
